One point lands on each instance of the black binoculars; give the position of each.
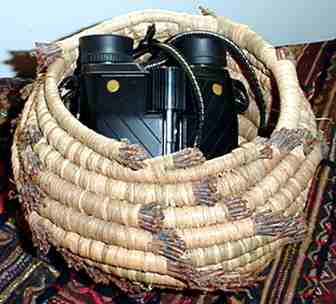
(155, 102)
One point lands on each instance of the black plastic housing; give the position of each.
(157, 108)
(220, 131)
(207, 57)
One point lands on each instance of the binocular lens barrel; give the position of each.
(202, 50)
(105, 49)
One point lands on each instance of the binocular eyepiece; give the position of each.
(95, 49)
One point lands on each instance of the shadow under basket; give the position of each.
(175, 221)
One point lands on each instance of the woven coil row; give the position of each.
(179, 220)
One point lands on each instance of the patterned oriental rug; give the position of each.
(301, 273)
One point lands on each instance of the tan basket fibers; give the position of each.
(172, 221)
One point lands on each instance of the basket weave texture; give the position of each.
(176, 221)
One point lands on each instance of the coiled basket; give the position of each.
(176, 221)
